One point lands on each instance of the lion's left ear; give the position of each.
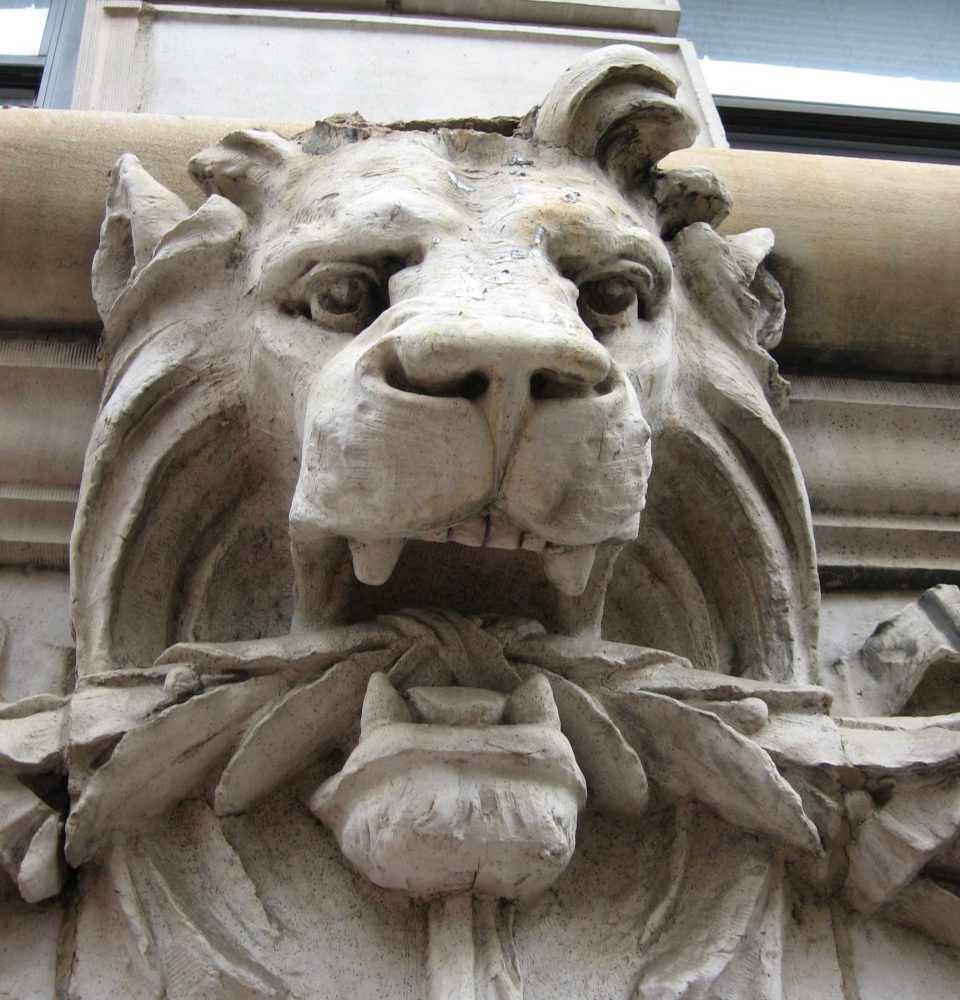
(140, 211)
(617, 104)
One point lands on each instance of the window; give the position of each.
(862, 77)
(39, 40)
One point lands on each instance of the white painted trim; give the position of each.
(830, 87)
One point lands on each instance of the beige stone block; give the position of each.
(868, 254)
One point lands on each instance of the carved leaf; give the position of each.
(690, 752)
(114, 952)
(118, 872)
(307, 652)
(29, 841)
(624, 667)
(100, 714)
(42, 872)
(309, 719)
(881, 677)
(900, 753)
(615, 777)
(161, 762)
(194, 911)
(931, 909)
(891, 846)
(197, 958)
(31, 741)
(584, 660)
(715, 923)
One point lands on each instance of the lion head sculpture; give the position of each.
(432, 461)
(508, 368)
(435, 495)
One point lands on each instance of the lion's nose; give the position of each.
(503, 368)
(519, 365)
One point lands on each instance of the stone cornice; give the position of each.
(49, 391)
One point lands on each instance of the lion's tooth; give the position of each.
(373, 562)
(470, 532)
(533, 543)
(439, 535)
(568, 569)
(502, 534)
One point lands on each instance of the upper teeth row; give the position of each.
(567, 567)
(491, 530)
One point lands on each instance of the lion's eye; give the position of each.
(344, 298)
(347, 295)
(607, 296)
(611, 301)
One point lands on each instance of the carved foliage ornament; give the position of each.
(511, 371)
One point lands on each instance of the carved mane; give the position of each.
(182, 490)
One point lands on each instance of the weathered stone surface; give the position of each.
(879, 459)
(445, 598)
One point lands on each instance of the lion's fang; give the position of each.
(373, 562)
(568, 569)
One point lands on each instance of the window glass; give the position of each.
(868, 53)
(21, 26)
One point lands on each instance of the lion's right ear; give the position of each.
(688, 195)
(140, 211)
(241, 165)
(616, 104)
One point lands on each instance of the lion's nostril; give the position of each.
(504, 361)
(474, 385)
(470, 387)
(550, 385)
(396, 378)
(602, 388)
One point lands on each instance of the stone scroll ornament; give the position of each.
(444, 591)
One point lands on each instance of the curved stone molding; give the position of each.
(878, 295)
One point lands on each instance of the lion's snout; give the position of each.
(442, 420)
(503, 367)
(514, 357)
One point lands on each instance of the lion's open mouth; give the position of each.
(566, 567)
(469, 579)
(480, 565)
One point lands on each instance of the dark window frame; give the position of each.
(840, 130)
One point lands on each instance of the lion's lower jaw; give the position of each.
(339, 581)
